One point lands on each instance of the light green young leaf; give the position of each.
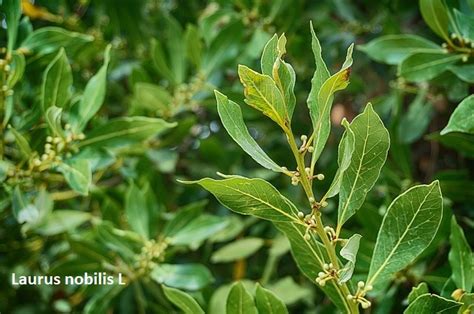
(464, 72)
(435, 14)
(22, 143)
(57, 82)
(136, 210)
(262, 94)
(462, 119)
(101, 299)
(310, 256)
(282, 73)
(431, 303)
(239, 249)
(254, 197)
(408, 227)
(393, 49)
(423, 66)
(125, 131)
(465, 23)
(240, 301)
(160, 61)
(77, 174)
(370, 152)
(12, 10)
(460, 258)
(53, 119)
(152, 97)
(417, 291)
(17, 69)
(198, 230)
(321, 114)
(349, 252)
(344, 157)
(46, 40)
(231, 117)
(194, 45)
(23, 209)
(268, 303)
(182, 300)
(60, 221)
(94, 95)
(184, 276)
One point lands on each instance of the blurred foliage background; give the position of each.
(166, 58)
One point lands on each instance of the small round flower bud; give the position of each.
(350, 297)
(37, 162)
(7, 68)
(320, 176)
(300, 215)
(369, 287)
(44, 157)
(307, 237)
(311, 199)
(311, 149)
(67, 126)
(304, 138)
(331, 265)
(49, 139)
(360, 284)
(365, 305)
(324, 204)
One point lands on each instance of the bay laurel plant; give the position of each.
(324, 251)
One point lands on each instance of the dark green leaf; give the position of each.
(183, 301)
(268, 303)
(186, 276)
(435, 14)
(431, 303)
(462, 119)
(57, 82)
(460, 258)
(240, 301)
(425, 66)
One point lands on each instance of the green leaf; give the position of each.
(254, 197)
(462, 119)
(17, 69)
(53, 119)
(160, 61)
(12, 10)
(194, 46)
(465, 24)
(349, 252)
(57, 82)
(182, 300)
(464, 72)
(23, 209)
(240, 301)
(310, 256)
(136, 210)
(320, 115)
(371, 147)
(198, 230)
(417, 291)
(22, 143)
(94, 95)
(60, 221)
(421, 67)
(232, 119)
(78, 175)
(408, 227)
(344, 157)
(262, 94)
(431, 303)
(282, 73)
(101, 299)
(467, 301)
(414, 123)
(49, 39)
(125, 131)
(393, 49)
(435, 14)
(152, 97)
(268, 303)
(239, 249)
(460, 258)
(186, 276)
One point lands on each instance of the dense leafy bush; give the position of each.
(116, 117)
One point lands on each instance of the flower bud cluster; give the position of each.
(328, 273)
(152, 251)
(359, 296)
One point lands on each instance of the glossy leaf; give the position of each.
(421, 67)
(262, 94)
(239, 249)
(460, 258)
(57, 82)
(462, 119)
(198, 230)
(77, 174)
(393, 49)
(125, 131)
(136, 210)
(60, 221)
(187, 276)
(94, 95)
(254, 197)
(12, 11)
(53, 120)
(268, 303)
(435, 14)
(22, 143)
(431, 303)
(344, 157)
(464, 72)
(408, 227)
(370, 151)
(232, 119)
(17, 65)
(182, 300)
(240, 301)
(320, 115)
(415, 121)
